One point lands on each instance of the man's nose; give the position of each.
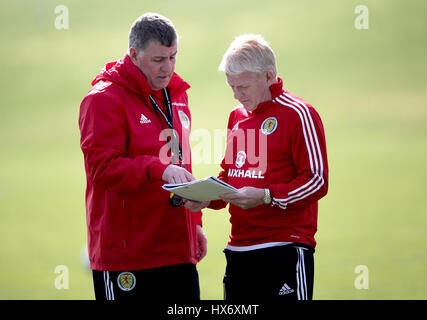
(237, 94)
(168, 66)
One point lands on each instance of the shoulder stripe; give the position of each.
(308, 127)
(284, 101)
(313, 149)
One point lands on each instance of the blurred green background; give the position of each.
(369, 87)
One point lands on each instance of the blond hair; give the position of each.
(248, 52)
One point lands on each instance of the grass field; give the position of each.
(368, 85)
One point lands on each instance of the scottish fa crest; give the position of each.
(126, 281)
(269, 125)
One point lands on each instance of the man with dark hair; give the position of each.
(135, 125)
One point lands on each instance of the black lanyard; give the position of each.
(169, 117)
(174, 141)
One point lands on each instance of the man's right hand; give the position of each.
(195, 206)
(176, 174)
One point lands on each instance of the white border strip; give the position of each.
(256, 246)
(313, 149)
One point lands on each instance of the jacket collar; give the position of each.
(125, 73)
(276, 89)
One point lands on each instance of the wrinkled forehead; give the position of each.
(155, 48)
(242, 79)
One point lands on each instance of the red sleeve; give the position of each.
(310, 161)
(103, 141)
(197, 217)
(223, 175)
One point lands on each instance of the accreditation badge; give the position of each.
(269, 125)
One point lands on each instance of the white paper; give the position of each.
(200, 190)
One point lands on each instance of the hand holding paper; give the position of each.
(195, 206)
(245, 198)
(176, 174)
(200, 190)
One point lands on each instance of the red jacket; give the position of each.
(131, 224)
(281, 146)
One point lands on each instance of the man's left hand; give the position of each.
(201, 243)
(245, 198)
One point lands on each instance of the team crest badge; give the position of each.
(269, 125)
(185, 121)
(126, 281)
(240, 159)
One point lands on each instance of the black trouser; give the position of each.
(171, 283)
(284, 272)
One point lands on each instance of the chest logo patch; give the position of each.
(185, 120)
(269, 125)
(126, 281)
(240, 159)
(144, 119)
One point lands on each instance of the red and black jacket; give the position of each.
(131, 224)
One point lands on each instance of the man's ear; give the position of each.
(133, 53)
(270, 77)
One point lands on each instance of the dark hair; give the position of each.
(152, 26)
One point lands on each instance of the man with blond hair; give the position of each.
(280, 171)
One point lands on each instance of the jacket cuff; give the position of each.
(198, 218)
(217, 204)
(155, 171)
